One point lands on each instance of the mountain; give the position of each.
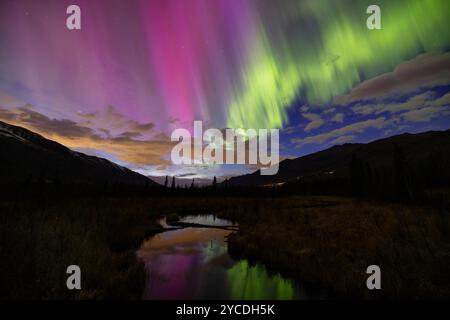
(26, 156)
(420, 150)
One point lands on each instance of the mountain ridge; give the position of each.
(28, 156)
(336, 159)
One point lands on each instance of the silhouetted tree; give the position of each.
(214, 182)
(432, 168)
(368, 179)
(376, 181)
(166, 183)
(402, 185)
(28, 180)
(192, 184)
(356, 175)
(173, 183)
(57, 181)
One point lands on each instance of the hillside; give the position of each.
(428, 150)
(27, 157)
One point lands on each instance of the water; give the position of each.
(193, 263)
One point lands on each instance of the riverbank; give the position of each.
(328, 241)
(331, 241)
(40, 239)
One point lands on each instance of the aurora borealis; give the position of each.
(139, 69)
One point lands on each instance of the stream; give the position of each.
(193, 263)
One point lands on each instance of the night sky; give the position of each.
(139, 69)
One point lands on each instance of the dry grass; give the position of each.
(324, 240)
(331, 241)
(39, 241)
(40, 238)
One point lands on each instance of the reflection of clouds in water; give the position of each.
(208, 219)
(182, 264)
(188, 238)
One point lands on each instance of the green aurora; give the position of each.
(333, 52)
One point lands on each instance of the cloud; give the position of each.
(78, 136)
(9, 101)
(425, 71)
(396, 129)
(419, 108)
(363, 109)
(342, 140)
(444, 100)
(315, 121)
(422, 115)
(26, 116)
(290, 129)
(6, 115)
(304, 108)
(130, 134)
(185, 175)
(353, 128)
(338, 117)
(413, 102)
(330, 110)
(116, 122)
(430, 110)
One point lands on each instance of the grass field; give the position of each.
(328, 241)
(39, 242)
(331, 241)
